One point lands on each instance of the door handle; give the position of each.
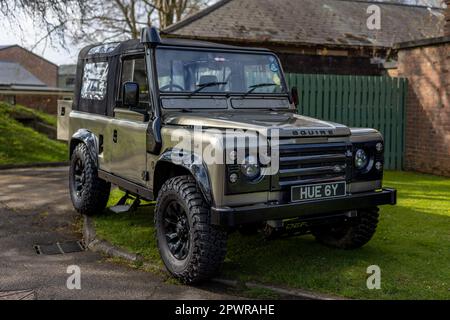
(115, 136)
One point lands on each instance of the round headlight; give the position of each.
(361, 159)
(251, 168)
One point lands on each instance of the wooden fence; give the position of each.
(358, 101)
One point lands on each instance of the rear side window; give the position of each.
(94, 80)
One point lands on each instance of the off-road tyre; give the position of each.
(203, 256)
(352, 234)
(91, 198)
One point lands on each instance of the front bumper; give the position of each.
(315, 208)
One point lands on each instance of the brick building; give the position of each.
(28, 79)
(315, 36)
(426, 64)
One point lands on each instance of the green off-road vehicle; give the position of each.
(212, 133)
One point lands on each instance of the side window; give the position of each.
(94, 80)
(134, 70)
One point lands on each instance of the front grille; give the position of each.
(312, 163)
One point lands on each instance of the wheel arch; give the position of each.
(167, 167)
(89, 139)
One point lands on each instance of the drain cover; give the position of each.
(17, 295)
(59, 247)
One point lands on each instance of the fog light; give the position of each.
(379, 147)
(233, 177)
(361, 159)
(378, 165)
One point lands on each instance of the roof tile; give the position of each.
(12, 73)
(326, 22)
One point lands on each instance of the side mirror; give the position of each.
(294, 96)
(130, 94)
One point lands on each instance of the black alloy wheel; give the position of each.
(176, 229)
(78, 177)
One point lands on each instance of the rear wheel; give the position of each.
(190, 247)
(351, 234)
(88, 192)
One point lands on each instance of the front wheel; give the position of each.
(191, 248)
(351, 234)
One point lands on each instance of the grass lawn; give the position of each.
(20, 144)
(411, 246)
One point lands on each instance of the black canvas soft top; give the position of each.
(134, 45)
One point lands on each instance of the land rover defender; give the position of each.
(156, 116)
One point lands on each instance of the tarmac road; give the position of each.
(35, 208)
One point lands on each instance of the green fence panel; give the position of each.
(358, 101)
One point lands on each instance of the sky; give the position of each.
(29, 33)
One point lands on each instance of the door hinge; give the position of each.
(145, 176)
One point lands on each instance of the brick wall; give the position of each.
(46, 103)
(42, 69)
(447, 19)
(428, 107)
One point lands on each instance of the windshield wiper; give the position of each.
(259, 85)
(206, 85)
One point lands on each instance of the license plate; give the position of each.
(318, 191)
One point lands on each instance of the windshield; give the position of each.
(195, 72)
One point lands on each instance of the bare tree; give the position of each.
(113, 20)
(87, 21)
(171, 11)
(53, 16)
